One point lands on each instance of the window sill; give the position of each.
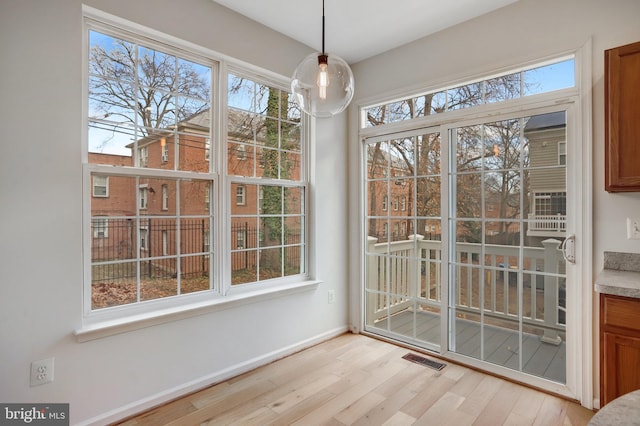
(125, 324)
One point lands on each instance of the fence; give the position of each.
(402, 272)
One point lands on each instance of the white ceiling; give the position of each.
(358, 29)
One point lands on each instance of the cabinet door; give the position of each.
(621, 372)
(622, 118)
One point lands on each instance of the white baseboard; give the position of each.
(206, 381)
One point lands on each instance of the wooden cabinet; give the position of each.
(622, 118)
(619, 346)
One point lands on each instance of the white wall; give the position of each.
(41, 216)
(523, 32)
(526, 31)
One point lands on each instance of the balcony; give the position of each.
(505, 314)
(547, 225)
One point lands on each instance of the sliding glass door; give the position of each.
(404, 228)
(464, 227)
(507, 221)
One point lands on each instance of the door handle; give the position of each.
(568, 249)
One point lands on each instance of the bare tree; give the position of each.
(140, 86)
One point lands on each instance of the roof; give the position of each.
(546, 121)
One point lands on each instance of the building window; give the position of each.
(165, 242)
(144, 238)
(101, 186)
(395, 204)
(143, 155)
(241, 195)
(143, 197)
(385, 203)
(242, 152)
(100, 227)
(562, 153)
(550, 203)
(207, 196)
(403, 203)
(164, 157)
(241, 237)
(165, 197)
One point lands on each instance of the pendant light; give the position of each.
(322, 83)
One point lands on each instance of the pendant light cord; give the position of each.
(323, 52)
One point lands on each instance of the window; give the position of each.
(100, 227)
(403, 203)
(165, 197)
(143, 198)
(242, 152)
(165, 150)
(528, 82)
(265, 142)
(143, 98)
(241, 237)
(395, 204)
(100, 186)
(550, 203)
(144, 239)
(385, 202)
(165, 242)
(240, 195)
(161, 178)
(144, 156)
(562, 153)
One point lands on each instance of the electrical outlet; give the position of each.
(633, 229)
(331, 296)
(41, 372)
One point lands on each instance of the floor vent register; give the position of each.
(424, 361)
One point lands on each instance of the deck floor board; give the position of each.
(501, 345)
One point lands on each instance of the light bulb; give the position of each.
(323, 76)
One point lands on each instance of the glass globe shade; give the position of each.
(308, 94)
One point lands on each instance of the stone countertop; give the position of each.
(621, 275)
(624, 410)
(619, 283)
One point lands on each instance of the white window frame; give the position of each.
(562, 153)
(109, 321)
(143, 196)
(241, 195)
(100, 226)
(580, 98)
(96, 185)
(165, 197)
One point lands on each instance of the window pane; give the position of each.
(132, 99)
(293, 200)
(193, 196)
(556, 76)
(194, 80)
(113, 284)
(502, 88)
(270, 264)
(240, 93)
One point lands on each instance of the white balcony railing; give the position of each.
(547, 225)
(404, 274)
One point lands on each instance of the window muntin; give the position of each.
(264, 142)
(157, 236)
(149, 116)
(139, 95)
(543, 79)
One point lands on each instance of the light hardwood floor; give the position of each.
(357, 380)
